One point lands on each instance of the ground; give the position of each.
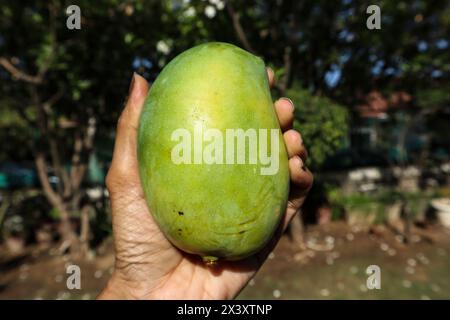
(419, 270)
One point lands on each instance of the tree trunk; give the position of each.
(405, 213)
(69, 239)
(296, 230)
(84, 229)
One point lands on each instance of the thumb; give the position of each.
(124, 165)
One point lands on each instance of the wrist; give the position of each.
(117, 289)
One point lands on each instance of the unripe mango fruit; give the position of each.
(207, 200)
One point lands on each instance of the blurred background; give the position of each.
(373, 106)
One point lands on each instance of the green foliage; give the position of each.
(434, 97)
(303, 41)
(14, 132)
(92, 66)
(54, 214)
(322, 122)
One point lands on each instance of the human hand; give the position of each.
(147, 265)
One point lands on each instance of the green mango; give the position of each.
(205, 135)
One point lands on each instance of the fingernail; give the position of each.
(290, 102)
(130, 89)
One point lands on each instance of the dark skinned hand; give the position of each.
(147, 265)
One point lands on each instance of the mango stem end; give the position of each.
(210, 261)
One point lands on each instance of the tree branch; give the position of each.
(287, 57)
(19, 74)
(76, 156)
(43, 111)
(64, 185)
(82, 145)
(53, 10)
(35, 79)
(52, 100)
(238, 27)
(52, 196)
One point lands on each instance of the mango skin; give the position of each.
(212, 210)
